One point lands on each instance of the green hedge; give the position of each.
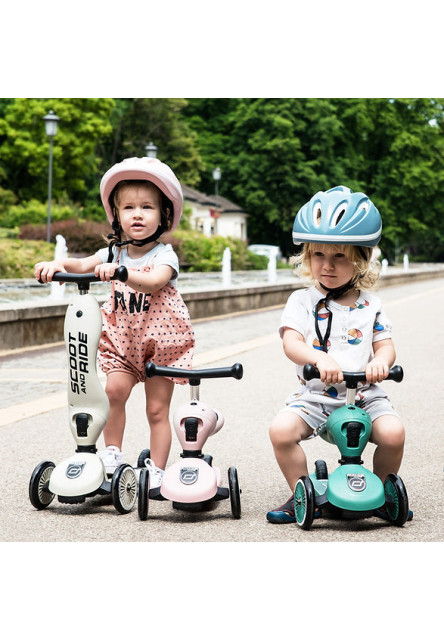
(199, 253)
(18, 257)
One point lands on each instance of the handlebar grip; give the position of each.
(235, 371)
(396, 374)
(121, 274)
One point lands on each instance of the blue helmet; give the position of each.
(338, 216)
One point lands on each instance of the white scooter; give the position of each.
(83, 474)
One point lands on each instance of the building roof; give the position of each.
(225, 205)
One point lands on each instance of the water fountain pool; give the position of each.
(30, 291)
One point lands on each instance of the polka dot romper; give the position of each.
(142, 327)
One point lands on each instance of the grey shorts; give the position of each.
(315, 414)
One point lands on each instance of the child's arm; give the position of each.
(299, 352)
(384, 357)
(45, 270)
(145, 282)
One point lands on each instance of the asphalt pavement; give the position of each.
(33, 427)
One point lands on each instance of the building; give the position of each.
(215, 215)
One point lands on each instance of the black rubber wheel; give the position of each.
(233, 485)
(397, 502)
(144, 492)
(321, 470)
(39, 494)
(124, 488)
(143, 455)
(304, 502)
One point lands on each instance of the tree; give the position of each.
(138, 121)
(24, 145)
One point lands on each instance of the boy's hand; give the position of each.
(329, 369)
(376, 370)
(43, 271)
(106, 270)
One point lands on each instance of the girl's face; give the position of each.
(139, 210)
(330, 266)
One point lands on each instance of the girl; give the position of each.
(335, 325)
(145, 318)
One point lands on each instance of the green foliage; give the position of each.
(18, 257)
(198, 253)
(274, 155)
(24, 145)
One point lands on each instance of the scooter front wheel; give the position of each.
(397, 502)
(124, 488)
(39, 494)
(233, 485)
(144, 492)
(304, 502)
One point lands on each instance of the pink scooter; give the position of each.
(192, 483)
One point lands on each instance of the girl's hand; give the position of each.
(106, 270)
(43, 271)
(329, 369)
(377, 370)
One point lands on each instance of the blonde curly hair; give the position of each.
(366, 270)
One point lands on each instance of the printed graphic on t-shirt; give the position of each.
(134, 303)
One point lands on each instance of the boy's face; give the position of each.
(330, 266)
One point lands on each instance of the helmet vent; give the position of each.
(317, 216)
(339, 217)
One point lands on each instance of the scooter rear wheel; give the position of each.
(304, 502)
(321, 470)
(233, 485)
(144, 492)
(124, 488)
(143, 455)
(397, 502)
(39, 495)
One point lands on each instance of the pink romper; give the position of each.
(142, 327)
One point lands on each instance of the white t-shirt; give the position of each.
(354, 329)
(159, 255)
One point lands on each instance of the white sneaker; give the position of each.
(156, 474)
(111, 458)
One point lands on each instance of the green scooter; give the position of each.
(351, 491)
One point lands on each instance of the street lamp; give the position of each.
(217, 174)
(51, 121)
(151, 150)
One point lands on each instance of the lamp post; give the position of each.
(217, 174)
(151, 150)
(51, 121)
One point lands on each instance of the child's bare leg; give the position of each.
(158, 393)
(388, 434)
(118, 389)
(286, 432)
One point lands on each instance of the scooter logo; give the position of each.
(74, 470)
(356, 481)
(189, 475)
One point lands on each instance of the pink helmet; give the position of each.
(150, 169)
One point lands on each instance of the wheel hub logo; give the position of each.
(189, 475)
(74, 470)
(356, 481)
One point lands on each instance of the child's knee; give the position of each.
(389, 432)
(284, 430)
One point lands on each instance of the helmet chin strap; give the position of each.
(137, 243)
(332, 294)
(336, 292)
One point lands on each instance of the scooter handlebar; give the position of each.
(235, 371)
(396, 373)
(121, 274)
